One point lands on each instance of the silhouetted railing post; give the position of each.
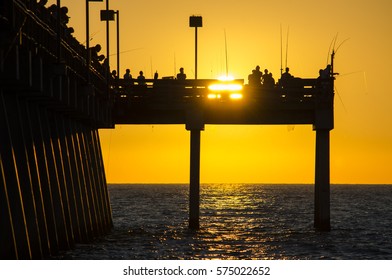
(195, 125)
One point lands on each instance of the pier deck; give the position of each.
(171, 102)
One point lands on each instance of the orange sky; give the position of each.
(155, 36)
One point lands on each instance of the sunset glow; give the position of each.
(155, 36)
(225, 87)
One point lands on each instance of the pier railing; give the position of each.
(48, 64)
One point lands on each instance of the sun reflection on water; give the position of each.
(238, 221)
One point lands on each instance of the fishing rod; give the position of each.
(175, 65)
(333, 42)
(281, 51)
(287, 44)
(227, 67)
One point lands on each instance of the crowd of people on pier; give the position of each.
(50, 15)
(141, 80)
(57, 19)
(266, 79)
(256, 79)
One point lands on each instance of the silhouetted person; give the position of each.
(64, 15)
(42, 11)
(258, 75)
(64, 18)
(324, 75)
(103, 68)
(94, 53)
(53, 10)
(265, 76)
(181, 76)
(268, 80)
(42, 2)
(155, 76)
(113, 74)
(254, 79)
(286, 75)
(127, 75)
(128, 81)
(141, 80)
(113, 79)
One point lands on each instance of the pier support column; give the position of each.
(195, 125)
(194, 184)
(324, 123)
(322, 182)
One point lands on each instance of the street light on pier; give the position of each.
(195, 21)
(88, 55)
(108, 15)
(195, 125)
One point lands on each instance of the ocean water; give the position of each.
(244, 221)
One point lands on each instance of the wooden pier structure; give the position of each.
(53, 190)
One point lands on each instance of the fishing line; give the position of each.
(340, 98)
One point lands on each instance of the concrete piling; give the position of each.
(194, 184)
(323, 124)
(322, 182)
(53, 191)
(16, 226)
(195, 124)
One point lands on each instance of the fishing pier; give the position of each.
(53, 101)
(196, 103)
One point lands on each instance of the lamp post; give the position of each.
(195, 21)
(194, 125)
(108, 15)
(107, 48)
(88, 55)
(118, 43)
(58, 31)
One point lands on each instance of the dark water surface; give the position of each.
(244, 221)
